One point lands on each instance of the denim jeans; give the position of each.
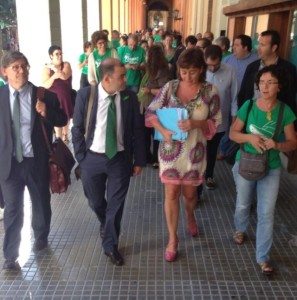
(267, 192)
(225, 143)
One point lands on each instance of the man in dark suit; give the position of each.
(106, 170)
(269, 42)
(24, 158)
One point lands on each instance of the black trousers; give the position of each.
(212, 149)
(106, 182)
(149, 139)
(25, 174)
(84, 80)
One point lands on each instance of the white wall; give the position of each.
(93, 16)
(72, 35)
(34, 34)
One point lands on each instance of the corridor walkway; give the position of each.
(210, 266)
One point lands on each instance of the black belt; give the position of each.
(97, 153)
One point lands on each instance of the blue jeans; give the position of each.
(225, 143)
(267, 191)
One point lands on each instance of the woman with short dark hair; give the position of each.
(57, 77)
(260, 122)
(183, 162)
(100, 52)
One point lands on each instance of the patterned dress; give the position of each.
(185, 162)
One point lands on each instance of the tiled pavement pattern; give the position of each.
(209, 266)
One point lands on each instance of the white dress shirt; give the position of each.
(98, 144)
(25, 94)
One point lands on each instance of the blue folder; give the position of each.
(169, 118)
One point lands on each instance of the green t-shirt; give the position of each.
(99, 58)
(135, 57)
(258, 124)
(81, 59)
(115, 44)
(226, 54)
(157, 38)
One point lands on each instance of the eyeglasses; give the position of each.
(16, 68)
(269, 83)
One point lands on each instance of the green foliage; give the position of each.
(7, 13)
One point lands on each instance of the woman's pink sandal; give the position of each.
(171, 256)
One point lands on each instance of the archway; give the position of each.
(159, 15)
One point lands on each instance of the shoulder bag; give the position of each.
(61, 160)
(255, 166)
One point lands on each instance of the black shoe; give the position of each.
(115, 257)
(11, 265)
(210, 184)
(40, 245)
(101, 231)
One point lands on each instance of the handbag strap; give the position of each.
(247, 114)
(40, 96)
(279, 120)
(90, 104)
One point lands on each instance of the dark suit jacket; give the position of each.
(132, 123)
(287, 95)
(54, 117)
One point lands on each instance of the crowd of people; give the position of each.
(125, 82)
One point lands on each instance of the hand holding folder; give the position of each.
(169, 118)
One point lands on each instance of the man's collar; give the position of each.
(23, 89)
(103, 93)
(262, 63)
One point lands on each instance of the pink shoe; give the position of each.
(193, 228)
(171, 256)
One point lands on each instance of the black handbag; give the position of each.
(255, 166)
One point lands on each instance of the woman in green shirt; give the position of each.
(100, 52)
(83, 64)
(257, 138)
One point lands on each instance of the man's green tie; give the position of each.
(111, 129)
(16, 128)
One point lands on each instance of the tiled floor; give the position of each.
(210, 266)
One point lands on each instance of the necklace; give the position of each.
(268, 108)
